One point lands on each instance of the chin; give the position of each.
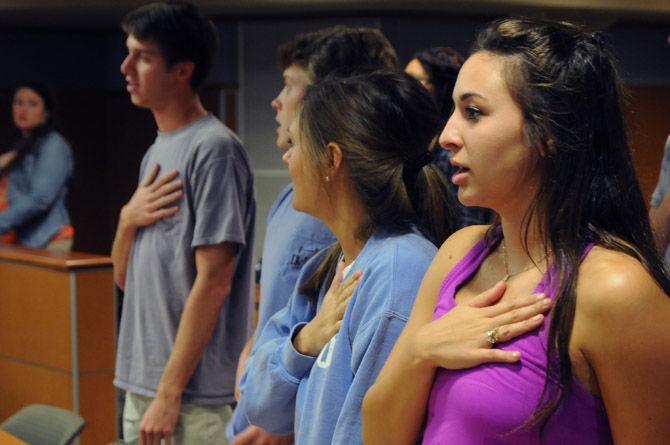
(468, 199)
(138, 102)
(296, 205)
(300, 207)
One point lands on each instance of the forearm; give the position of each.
(272, 384)
(22, 211)
(394, 407)
(242, 365)
(123, 243)
(202, 310)
(311, 339)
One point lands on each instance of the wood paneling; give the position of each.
(38, 363)
(38, 329)
(97, 403)
(96, 321)
(22, 384)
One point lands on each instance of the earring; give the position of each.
(327, 178)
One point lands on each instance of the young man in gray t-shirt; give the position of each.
(182, 251)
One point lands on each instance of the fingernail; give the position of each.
(540, 297)
(515, 354)
(546, 302)
(536, 318)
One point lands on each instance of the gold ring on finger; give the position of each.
(492, 336)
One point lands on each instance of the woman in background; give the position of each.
(437, 68)
(35, 175)
(538, 135)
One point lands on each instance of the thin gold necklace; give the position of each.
(509, 275)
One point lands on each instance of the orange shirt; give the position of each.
(8, 237)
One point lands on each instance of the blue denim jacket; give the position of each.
(37, 191)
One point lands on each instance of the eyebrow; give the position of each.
(467, 95)
(141, 49)
(145, 51)
(289, 77)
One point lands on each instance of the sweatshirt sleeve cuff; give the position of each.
(296, 364)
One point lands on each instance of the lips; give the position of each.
(461, 173)
(131, 87)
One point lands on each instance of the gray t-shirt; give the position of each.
(218, 206)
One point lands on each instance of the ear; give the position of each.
(548, 149)
(184, 70)
(551, 146)
(334, 156)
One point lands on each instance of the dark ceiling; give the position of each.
(107, 13)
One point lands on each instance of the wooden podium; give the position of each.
(57, 334)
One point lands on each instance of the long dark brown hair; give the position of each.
(566, 83)
(384, 123)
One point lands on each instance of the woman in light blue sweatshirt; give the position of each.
(360, 163)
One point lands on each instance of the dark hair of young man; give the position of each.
(181, 32)
(338, 49)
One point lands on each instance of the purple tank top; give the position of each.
(483, 405)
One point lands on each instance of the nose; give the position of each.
(276, 104)
(124, 65)
(450, 138)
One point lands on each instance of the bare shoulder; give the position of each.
(612, 282)
(460, 242)
(620, 344)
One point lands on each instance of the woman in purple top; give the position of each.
(538, 135)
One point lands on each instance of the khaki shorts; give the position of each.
(197, 424)
(61, 245)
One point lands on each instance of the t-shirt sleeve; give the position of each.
(663, 185)
(221, 200)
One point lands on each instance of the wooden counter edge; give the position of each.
(53, 260)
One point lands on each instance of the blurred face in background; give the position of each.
(28, 110)
(304, 175)
(286, 104)
(415, 69)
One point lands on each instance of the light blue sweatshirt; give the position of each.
(319, 398)
(291, 238)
